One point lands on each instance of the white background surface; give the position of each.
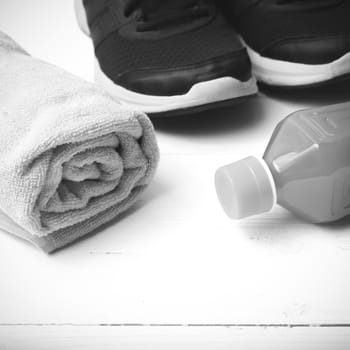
(175, 272)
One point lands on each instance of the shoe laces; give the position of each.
(159, 14)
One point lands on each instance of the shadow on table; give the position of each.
(339, 225)
(239, 116)
(281, 230)
(286, 230)
(248, 113)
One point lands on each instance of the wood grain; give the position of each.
(172, 338)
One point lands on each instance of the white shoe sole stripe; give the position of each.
(202, 93)
(283, 73)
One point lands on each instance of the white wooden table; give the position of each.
(175, 272)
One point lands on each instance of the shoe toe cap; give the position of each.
(316, 50)
(179, 80)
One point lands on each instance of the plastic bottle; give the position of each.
(305, 168)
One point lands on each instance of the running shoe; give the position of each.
(294, 42)
(163, 56)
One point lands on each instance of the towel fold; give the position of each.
(71, 157)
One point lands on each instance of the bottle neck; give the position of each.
(267, 186)
(271, 179)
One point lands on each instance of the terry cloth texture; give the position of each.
(71, 157)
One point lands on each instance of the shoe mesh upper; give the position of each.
(267, 24)
(117, 54)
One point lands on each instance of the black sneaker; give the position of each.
(294, 42)
(166, 55)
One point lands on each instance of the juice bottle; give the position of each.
(305, 169)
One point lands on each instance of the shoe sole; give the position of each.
(305, 88)
(201, 108)
(203, 94)
(288, 74)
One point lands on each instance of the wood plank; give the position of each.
(172, 338)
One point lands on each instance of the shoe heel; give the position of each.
(81, 17)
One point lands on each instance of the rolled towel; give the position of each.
(71, 157)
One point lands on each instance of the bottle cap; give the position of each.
(245, 188)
